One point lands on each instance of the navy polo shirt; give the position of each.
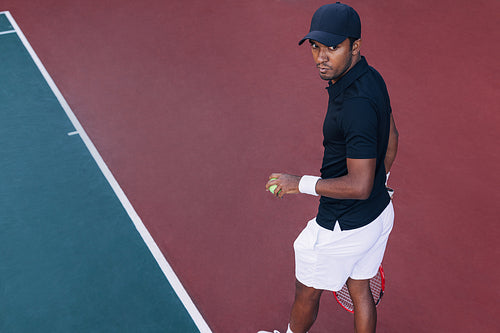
(356, 126)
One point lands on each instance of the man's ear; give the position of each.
(356, 47)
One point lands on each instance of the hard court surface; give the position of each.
(132, 196)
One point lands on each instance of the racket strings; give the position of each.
(344, 298)
(376, 287)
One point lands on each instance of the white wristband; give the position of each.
(307, 185)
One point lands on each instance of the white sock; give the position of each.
(289, 330)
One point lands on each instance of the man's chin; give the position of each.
(325, 77)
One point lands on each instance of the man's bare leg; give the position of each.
(305, 308)
(365, 313)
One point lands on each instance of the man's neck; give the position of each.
(355, 60)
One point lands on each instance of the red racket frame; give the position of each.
(344, 299)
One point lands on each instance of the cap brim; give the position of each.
(324, 38)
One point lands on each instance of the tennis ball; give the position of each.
(272, 187)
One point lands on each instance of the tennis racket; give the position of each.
(377, 286)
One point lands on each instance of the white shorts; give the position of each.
(325, 259)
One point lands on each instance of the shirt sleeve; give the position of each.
(360, 125)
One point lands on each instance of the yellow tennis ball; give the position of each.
(272, 187)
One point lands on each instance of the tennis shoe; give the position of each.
(268, 331)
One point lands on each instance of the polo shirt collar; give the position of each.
(345, 81)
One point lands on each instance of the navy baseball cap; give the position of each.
(332, 24)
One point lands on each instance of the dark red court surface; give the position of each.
(193, 103)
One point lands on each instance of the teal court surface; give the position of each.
(74, 255)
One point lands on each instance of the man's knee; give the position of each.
(359, 289)
(305, 293)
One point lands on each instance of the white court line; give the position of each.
(146, 236)
(7, 32)
(72, 133)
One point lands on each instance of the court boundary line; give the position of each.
(167, 270)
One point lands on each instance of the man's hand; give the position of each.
(286, 184)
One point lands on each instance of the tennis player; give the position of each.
(346, 241)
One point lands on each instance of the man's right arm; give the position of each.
(392, 147)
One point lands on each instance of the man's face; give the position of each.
(334, 61)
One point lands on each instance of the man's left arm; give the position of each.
(357, 184)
